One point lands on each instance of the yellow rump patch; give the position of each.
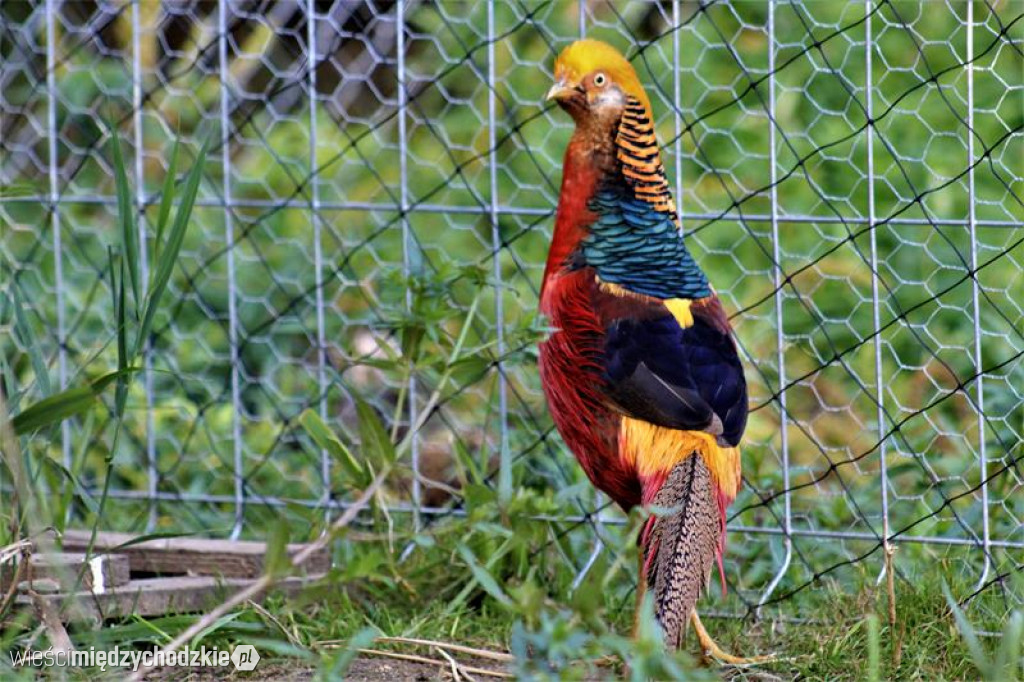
(680, 309)
(656, 449)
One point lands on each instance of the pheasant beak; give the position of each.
(561, 90)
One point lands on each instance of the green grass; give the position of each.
(562, 640)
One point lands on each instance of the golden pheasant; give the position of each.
(641, 374)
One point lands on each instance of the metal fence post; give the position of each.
(780, 337)
(318, 266)
(140, 208)
(976, 305)
(869, 88)
(505, 470)
(229, 237)
(408, 244)
(58, 247)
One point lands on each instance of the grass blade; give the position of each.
(175, 238)
(139, 539)
(373, 437)
(117, 291)
(483, 576)
(326, 440)
(126, 214)
(100, 383)
(1008, 656)
(970, 636)
(24, 331)
(122, 348)
(14, 393)
(166, 199)
(74, 486)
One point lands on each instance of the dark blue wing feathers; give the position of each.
(678, 378)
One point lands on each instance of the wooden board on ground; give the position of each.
(152, 577)
(68, 569)
(155, 597)
(190, 556)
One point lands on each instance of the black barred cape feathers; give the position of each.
(641, 163)
(684, 542)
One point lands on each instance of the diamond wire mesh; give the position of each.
(848, 174)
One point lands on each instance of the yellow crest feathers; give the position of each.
(585, 56)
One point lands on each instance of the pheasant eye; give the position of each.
(600, 80)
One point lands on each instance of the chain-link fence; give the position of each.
(850, 176)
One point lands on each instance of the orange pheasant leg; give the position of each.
(709, 648)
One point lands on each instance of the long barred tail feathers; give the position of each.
(681, 547)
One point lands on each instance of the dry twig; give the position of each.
(13, 587)
(458, 648)
(258, 608)
(458, 670)
(890, 585)
(451, 661)
(14, 550)
(433, 661)
(55, 631)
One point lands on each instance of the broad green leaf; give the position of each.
(373, 437)
(412, 336)
(175, 238)
(126, 213)
(469, 370)
(60, 406)
(326, 440)
(485, 579)
(54, 409)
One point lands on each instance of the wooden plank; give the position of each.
(191, 556)
(100, 573)
(157, 597)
